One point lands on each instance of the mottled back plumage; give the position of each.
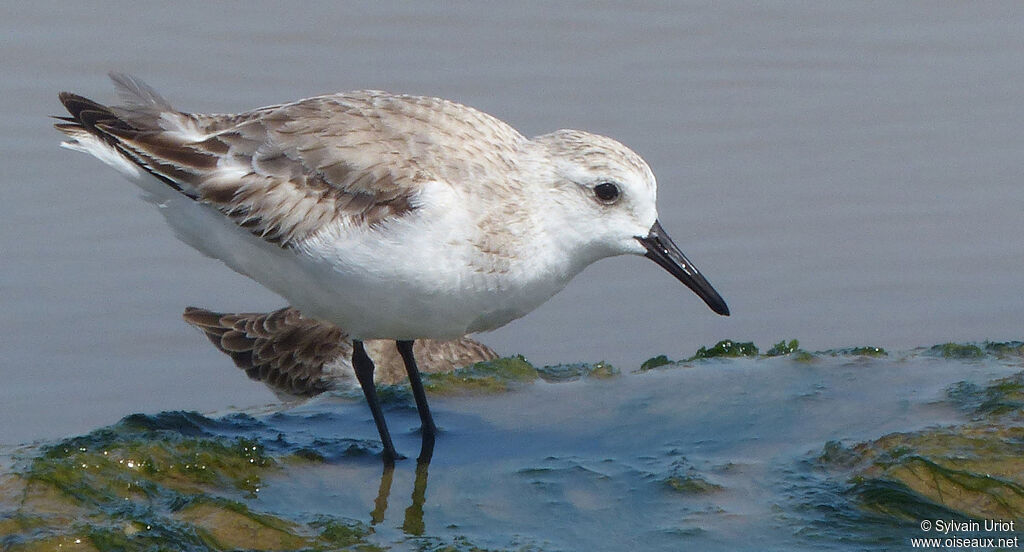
(285, 172)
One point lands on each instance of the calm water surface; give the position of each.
(844, 173)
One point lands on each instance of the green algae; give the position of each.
(783, 348)
(656, 362)
(691, 484)
(895, 500)
(803, 357)
(686, 479)
(492, 376)
(343, 533)
(792, 350)
(576, 371)
(730, 348)
(224, 524)
(1001, 350)
(865, 351)
(136, 462)
(136, 536)
(868, 351)
(958, 350)
(726, 348)
(984, 488)
(1004, 396)
(17, 523)
(835, 454)
(975, 469)
(506, 374)
(1006, 349)
(156, 483)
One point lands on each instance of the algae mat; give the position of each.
(732, 449)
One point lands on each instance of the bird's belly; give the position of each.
(413, 283)
(403, 295)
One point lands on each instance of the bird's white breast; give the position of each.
(443, 270)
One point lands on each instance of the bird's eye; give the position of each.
(606, 192)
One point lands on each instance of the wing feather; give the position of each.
(302, 357)
(290, 353)
(286, 172)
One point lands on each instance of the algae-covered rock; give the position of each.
(868, 351)
(1004, 398)
(860, 351)
(968, 351)
(687, 479)
(230, 525)
(977, 471)
(48, 544)
(575, 371)
(691, 483)
(1006, 349)
(163, 482)
(974, 470)
(655, 362)
(792, 350)
(958, 350)
(133, 461)
(726, 348)
(338, 533)
(490, 376)
(783, 348)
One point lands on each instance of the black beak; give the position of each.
(663, 251)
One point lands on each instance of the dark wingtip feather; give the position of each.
(75, 104)
(90, 115)
(202, 318)
(68, 128)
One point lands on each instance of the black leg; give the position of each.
(428, 429)
(363, 367)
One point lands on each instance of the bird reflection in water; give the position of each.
(412, 523)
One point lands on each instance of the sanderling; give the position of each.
(392, 216)
(299, 357)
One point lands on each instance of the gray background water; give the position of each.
(844, 173)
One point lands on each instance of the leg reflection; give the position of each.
(380, 505)
(413, 523)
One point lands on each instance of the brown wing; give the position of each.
(303, 357)
(284, 172)
(288, 352)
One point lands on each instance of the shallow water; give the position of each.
(713, 455)
(843, 173)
